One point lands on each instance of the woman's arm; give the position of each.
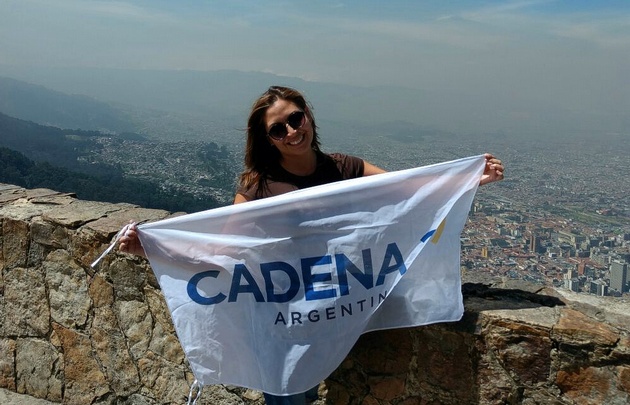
(492, 172)
(369, 169)
(239, 198)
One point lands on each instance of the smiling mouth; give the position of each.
(298, 140)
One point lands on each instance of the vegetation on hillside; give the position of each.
(33, 156)
(16, 169)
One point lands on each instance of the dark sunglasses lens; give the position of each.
(278, 131)
(296, 119)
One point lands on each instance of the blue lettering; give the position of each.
(280, 318)
(399, 264)
(328, 313)
(310, 278)
(344, 264)
(240, 271)
(193, 293)
(243, 282)
(296, 317)
(267, 268)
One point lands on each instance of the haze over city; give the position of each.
(480, 66)
(541, 84)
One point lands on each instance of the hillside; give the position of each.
(50, 144)
(33, 155)
(48, 107)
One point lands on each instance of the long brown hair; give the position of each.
(260, 155)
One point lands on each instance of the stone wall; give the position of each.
(70, 334)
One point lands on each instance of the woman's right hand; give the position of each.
(130, 243)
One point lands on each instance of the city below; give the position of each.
(561, 217)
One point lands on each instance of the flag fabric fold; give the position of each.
(272, 294)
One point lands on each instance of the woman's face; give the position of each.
(298, 141)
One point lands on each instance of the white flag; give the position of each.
(272, 294)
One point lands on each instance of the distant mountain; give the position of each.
(210, 105)
(221, 99)
(228, 94)
(213, 105)
(48, 107)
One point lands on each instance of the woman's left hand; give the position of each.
(493, 170)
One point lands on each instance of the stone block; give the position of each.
(163, 379)
(576, 329)
(385, 353)
(524, 350)
(136, 323)
(128, 278)
(7, 364)
(26, 309)
(101, 292)
(623, 379)
(80, 212)
(38, 369)
(587, 385)
(67, 290)
(84, 379)
(110, 348)
(49, 234)
(15, 240)
(36, 254)
(387, 388)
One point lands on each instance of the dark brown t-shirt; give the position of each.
(330, 168)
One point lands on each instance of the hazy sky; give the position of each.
(574, 52)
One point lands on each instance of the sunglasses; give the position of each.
(295, 120)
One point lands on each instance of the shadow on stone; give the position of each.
(523, 299)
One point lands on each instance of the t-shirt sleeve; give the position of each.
(272, 188)
(248, 193)
(350, 166)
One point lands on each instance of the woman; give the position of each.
(283, 154)
(283, 151)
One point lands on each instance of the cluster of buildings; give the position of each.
(504, 241)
